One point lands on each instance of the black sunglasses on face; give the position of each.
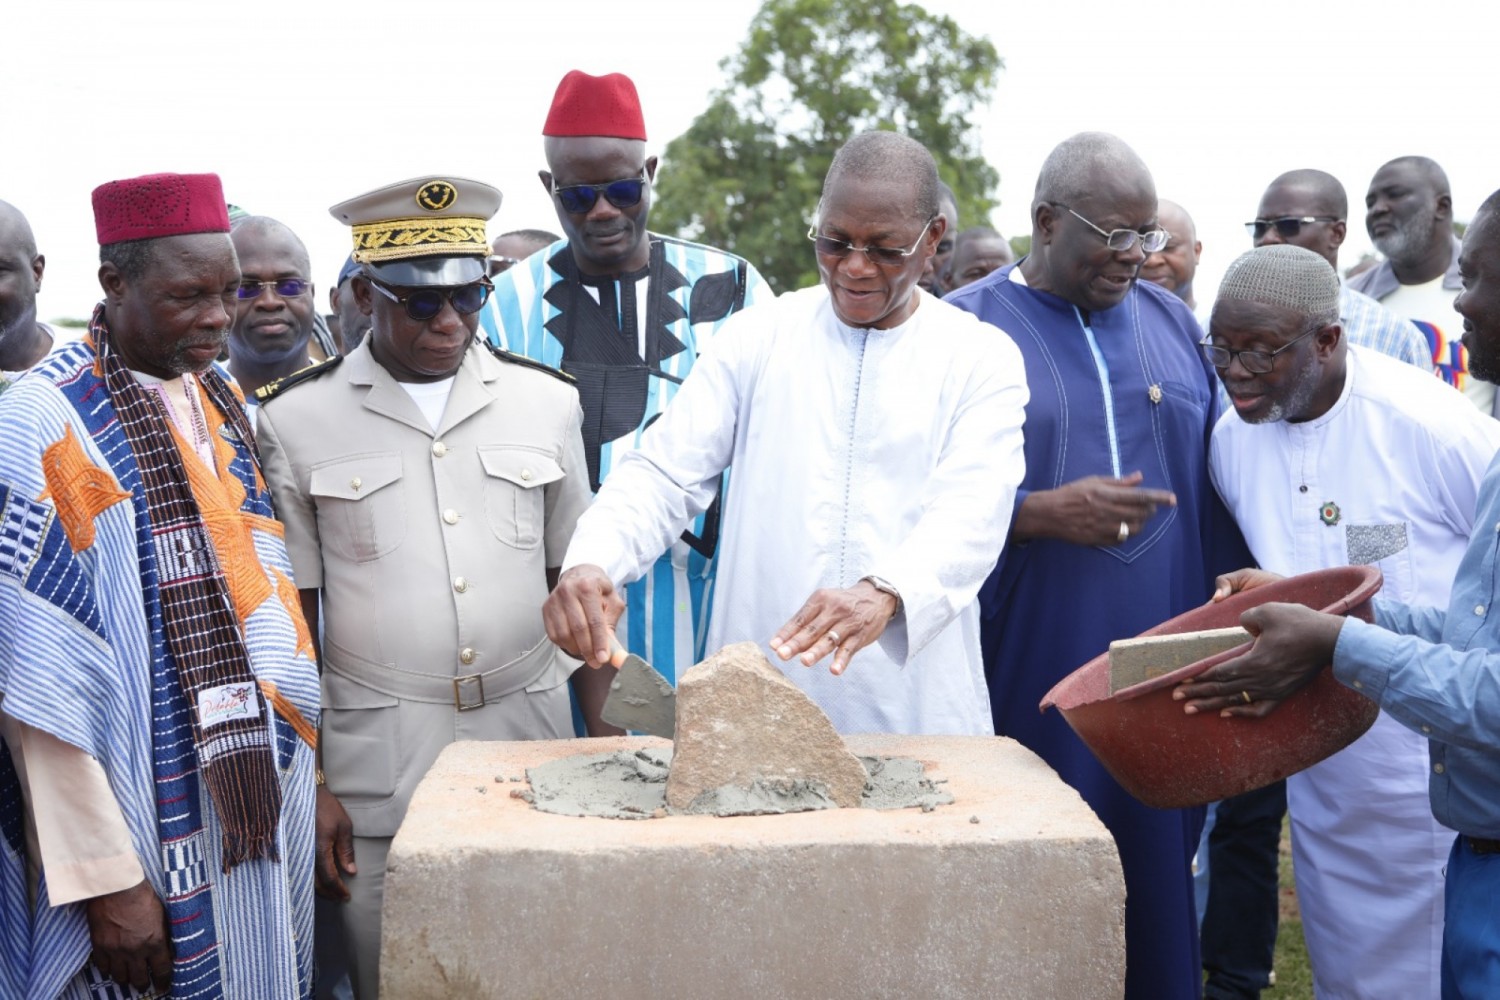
(1287, 226)
(425, 303)
(287, 288)
(578, 199)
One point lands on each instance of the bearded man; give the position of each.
(1313, 416)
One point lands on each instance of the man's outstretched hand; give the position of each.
(581, 612)
(1292, 643)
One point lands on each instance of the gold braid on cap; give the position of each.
(398, 239)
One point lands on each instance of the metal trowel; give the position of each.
(640, 698)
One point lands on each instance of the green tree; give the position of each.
(747, 173)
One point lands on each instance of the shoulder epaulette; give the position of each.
(523, 360)
(271, 390)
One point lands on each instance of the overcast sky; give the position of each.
(301, 105)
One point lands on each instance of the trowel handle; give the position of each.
(617, 652)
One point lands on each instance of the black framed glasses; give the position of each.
(1121, 240)
(578, 199)
(1287, 226)
(1254, 362)
(884, 256)
(425, 303)
(287, 288)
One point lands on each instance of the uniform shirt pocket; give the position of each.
(361, 512)
(361, 739)
(514, 502)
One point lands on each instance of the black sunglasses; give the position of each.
(287, 288)
(425, 303)
(578, 199)
(1287, 226)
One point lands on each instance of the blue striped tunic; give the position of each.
(83, 657)
(630, 340)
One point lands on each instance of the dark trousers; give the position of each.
(1239, 923)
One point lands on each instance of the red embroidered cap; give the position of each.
(596, 105)
(144, 208)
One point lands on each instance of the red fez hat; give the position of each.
(596, 105)
(144, 208)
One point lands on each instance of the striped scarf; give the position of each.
(231, 727)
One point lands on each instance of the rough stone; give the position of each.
(1132, 661)
(746, 733)
(485, 897)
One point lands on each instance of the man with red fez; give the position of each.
(426, 518)
(160, 698)
(626, 312)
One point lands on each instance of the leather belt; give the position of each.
(464, 693)
(1481, 846)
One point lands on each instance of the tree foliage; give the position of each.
(747, 173)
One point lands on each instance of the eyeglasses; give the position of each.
(287, 288)
(425, 303)
(578, 199)
(1287, 226)
(884, 256)
(1121, 240)
(1254, 362)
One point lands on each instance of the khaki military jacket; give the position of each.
(431, 551)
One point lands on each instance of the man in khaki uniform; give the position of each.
(429, 488)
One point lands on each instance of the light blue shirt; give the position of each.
(1438, 673)
(1370, 324)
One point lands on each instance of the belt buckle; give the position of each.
(463, 687)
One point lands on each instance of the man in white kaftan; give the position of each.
(1340, 455)
(875, 434)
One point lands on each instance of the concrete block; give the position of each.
(741, 725)
(1012, 891)
(1132, 661)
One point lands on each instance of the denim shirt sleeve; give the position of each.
(1446, 694)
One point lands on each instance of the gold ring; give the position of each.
(834, 636)
(1245, 695)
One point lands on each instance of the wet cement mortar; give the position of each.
(632, 784)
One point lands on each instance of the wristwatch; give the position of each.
(885, 587)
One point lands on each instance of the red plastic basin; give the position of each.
(1169, 759)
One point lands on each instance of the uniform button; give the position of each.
(466, 655)
(450, 516)
(356, 483)
(460, 584)
(1302, 489)
(1479, 609)
(439, 449)
(526, 474)
(1359, 685)
(1437, 769)
(1426, 729)
(1497, 525)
